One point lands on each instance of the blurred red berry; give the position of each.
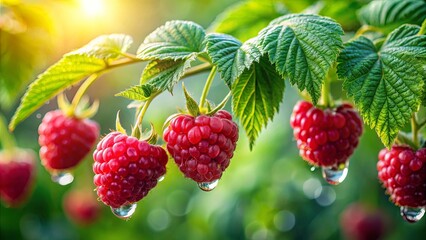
(81, 206)
(17, 173)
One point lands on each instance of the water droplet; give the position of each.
(412, 215)
(335, 174)
(62, 178)
(313, 168)
(208, 186)
(161, 178)
(124, 212)
(38, 115)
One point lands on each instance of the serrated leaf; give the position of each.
(245, 19)
(68, 71)
(257, 94)
(176, 40)
(303, 48)
(106, 46)
(164, 74)
(386, 84)
(231, 56)
(389, 14)
(139, 93)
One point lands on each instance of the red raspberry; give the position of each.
(81, 206)
(325, 137)
(402, 172)
(65, 141)
(202, 146)
(17, 172)
(126, 168)
(360, 223)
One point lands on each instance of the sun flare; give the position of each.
(93, 8)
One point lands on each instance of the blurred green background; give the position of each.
(266, 193)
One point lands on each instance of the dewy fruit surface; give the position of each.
(325, 137)
(65, 141)
(126, 168)
(402, 172)
(202, 146)
(17, 172)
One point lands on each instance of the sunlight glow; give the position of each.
(93, 8)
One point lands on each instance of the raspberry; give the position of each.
(358, 223)
(81, 206)
(325, 137)
(17, 172)
(126, 168)
(65, 141)
(402, 171)
(202, 146)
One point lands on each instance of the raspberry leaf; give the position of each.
(389, 14)
(231, 56)
(303, 48)
(257, 94)
(176, 40)
(140, 93)
(164, 74)
(245, 19)
(386, 84)
(106, 46)
(71, 69)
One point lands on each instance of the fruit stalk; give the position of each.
(80, 92)
(6, 139)
(325, 93)
(415, 130)
(207, 86)
(142, 112)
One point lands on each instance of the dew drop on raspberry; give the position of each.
(62, 178)
(125, 211)
(208, 186)
(412, 215)
(335, 174)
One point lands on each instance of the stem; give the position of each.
(7, 140)
(80, 92)
(415, 130)
(364, 29)
(207, 86)
(142, 113)
(325, 93)
(197, 69)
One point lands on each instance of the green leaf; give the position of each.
(164, 74)
(245, 19)
(303, 48)
(176, 40)
(106, 46)
(257, 94)
(390, 14)
(231, 56)
(66, 72)
(139, 93)
(386, 84)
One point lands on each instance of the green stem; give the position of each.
(325, 93)
(197, 69)
(422, 28)
(80, 92)
(364, 29)
(415, 130)
(7, 140)
(207, 86)
(421, 125)
(142, 113)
